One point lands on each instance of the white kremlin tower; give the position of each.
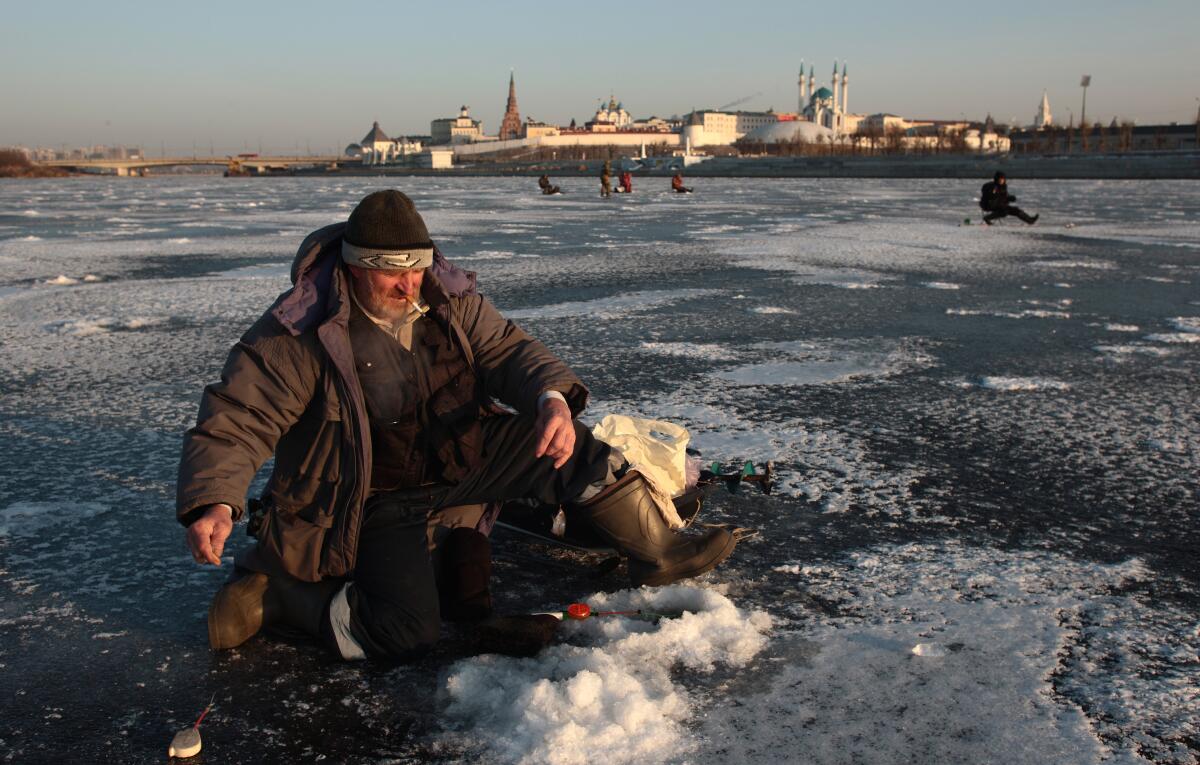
(1043, 119)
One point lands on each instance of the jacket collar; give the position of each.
(318, 281)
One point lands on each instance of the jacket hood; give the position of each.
(306, 303)
(996, 178)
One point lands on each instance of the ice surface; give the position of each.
(814, 363)
(1037, 536)
(28, 518)
(943, 651)
(1021, 383)
(615, 307)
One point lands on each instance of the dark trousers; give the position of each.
(1002, 211)
(394, 610)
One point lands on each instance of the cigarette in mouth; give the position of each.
(417, 306)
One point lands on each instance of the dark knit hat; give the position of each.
(386, 231)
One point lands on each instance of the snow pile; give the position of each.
(950, 653)
(609, 695)
(1021, 383)
(942, 285)
(1122, 328)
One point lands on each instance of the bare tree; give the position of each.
(893, 140)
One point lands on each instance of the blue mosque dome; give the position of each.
(823, 93)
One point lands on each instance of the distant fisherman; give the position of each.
(547, 187)
(373, 384)
(626, 182)
(995, 200)
(677, 183)
(606, 180)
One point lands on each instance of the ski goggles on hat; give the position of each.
(370, 257)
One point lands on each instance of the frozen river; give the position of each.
(983, 547)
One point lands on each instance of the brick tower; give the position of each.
(510, 126)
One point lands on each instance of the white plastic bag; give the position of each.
(655, 448)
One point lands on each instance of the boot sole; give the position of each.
(669, 576)
(227, 605)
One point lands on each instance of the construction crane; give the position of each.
(739, 102)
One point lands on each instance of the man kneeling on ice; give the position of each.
(372, 382)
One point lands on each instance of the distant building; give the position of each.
(610, 118)
(1099, 139)
(828, 107)
(376, 146)
(715, 128)
(1043, 119)
(790, 131)
(510, 125)
(534, 129)
(436, 159)
(658, 124)
(452, 130)
(377, 149)
(882, 122)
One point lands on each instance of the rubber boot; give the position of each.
(625, 515)
(466, 574)
(253, 602)
(1030, 219)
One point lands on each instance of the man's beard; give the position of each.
(386, 304)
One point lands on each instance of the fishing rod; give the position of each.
(580, 611)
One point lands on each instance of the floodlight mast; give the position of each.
(1083, 83)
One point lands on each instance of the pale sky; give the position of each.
(282, 76)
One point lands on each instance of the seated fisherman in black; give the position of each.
(995, 200)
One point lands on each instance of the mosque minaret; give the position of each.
(834, 83)
(827, 107)
(803, 95)
(845, 90)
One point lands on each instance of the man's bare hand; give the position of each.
(207, 534)
(556, 432)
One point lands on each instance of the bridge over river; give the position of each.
(234, 165)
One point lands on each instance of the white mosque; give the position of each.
(826, 107)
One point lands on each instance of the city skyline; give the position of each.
(275, 77)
